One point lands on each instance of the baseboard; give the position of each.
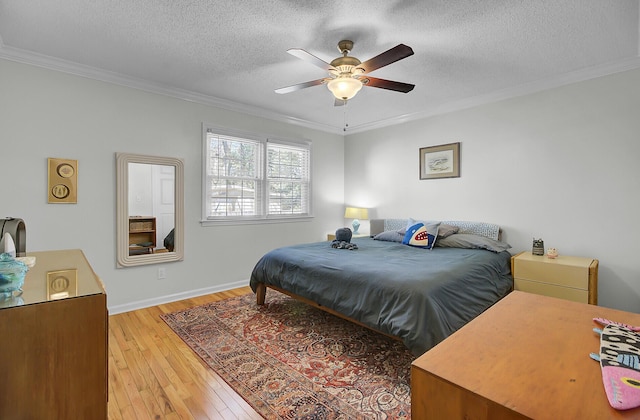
(141, 304)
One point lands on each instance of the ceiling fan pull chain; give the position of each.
(345, 116)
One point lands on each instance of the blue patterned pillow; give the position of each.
(395, 224)
(488, 230)
(421, 235)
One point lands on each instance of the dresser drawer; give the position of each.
(553, 290)
(564, 271)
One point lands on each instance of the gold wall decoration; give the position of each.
(62, 284)
(63, 180)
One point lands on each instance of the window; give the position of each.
(249, 177)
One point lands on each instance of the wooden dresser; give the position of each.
(566, 277)
(525, 357)
(53, 351)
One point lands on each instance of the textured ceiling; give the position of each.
(233, 53)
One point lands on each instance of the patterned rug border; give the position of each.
(228, 336)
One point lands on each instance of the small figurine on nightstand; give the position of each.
(552, 253)
(538, 247)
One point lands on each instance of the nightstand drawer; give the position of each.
(568, 293)
(563, 271)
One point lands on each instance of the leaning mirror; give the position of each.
(149, 209)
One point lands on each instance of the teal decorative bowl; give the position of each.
(12, 275)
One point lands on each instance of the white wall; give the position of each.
(45, 113)
(562, 165)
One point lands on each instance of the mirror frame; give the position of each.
(122, 211)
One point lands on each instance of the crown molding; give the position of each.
(52, 63)
(513, 92)
(70, 67)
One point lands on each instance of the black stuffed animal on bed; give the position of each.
(343, 234)
(343, 239)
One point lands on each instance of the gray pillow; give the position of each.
(447, 230)
(467, 240)
(390, 235)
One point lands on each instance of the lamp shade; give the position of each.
(356, 213)
(344, 87)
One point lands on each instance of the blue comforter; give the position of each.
(421, 296)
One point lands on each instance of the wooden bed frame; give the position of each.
(261, 292)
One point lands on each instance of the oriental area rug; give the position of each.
(289, 360)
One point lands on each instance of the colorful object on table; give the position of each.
(604, 322)
(552, 253)
(12, 275)
(619, 359)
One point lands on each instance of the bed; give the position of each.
(418, 295)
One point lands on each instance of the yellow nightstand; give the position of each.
(565, 277)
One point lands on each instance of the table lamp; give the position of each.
(356, 213)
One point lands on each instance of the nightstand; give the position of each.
(565, 277)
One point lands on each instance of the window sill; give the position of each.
(251, 221)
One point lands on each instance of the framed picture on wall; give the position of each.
(440, 161)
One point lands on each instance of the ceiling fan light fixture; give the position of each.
(344, 88)
(347, 73)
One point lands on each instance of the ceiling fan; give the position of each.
(347, 73)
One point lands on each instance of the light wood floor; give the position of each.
(154, 375)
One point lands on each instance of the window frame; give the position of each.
(263, 141)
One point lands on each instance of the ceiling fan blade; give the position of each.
(310, 58)
(299, 86)
(387, 84)
(396, 53)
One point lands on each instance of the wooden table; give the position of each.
(526, 357)
(53, 356)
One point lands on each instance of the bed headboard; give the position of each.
(489, 230)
